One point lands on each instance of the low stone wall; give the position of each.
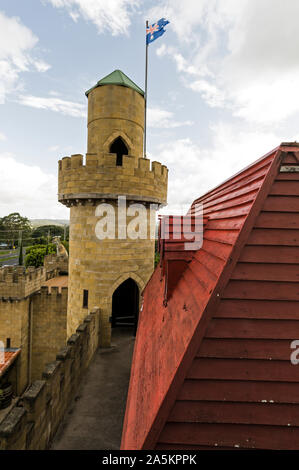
(58, 263)
(33, 422)
(49, 322)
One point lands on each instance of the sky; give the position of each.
(223, 88)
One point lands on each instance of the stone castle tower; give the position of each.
(110, 273)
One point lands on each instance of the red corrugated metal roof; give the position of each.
(9, 357)
(169, 334)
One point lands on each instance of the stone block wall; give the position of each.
(14, 318)
(49, 322)
(17, 283)
(101, 178)
(34, 420)
(113, 108)
(37, 323)
(19, 302)
(99, 266)
(56, 263)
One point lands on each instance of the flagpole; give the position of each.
(145, 91)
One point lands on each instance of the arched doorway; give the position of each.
(125, 305)
(120, 148)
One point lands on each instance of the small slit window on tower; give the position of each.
(8, 343)
(85, 298)
(120, 148)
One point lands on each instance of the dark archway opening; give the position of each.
(120, 148)
(125, 305)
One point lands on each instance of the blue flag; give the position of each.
(156, 30)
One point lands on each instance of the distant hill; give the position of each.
(41, 222)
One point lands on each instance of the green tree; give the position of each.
(35, 254)
(11, 225)
(39, 241)
(31, 248)
(21, 254)
(52, 230)
(35, 258)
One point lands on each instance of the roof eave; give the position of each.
(98, 84)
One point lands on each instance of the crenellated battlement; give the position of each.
(56, 263)
(53, 291)
(17, 282)
(100, 178)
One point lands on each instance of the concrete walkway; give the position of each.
(95, 417)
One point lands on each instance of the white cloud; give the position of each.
(41, 66)
(113, 16)
(68, 108)
(194, 170)
(163, 119)
(54, 148)
(181, 63)
(241, 55)
(16, 45)
(54, 93)
(210, 93)
(157, 117)
(28, 190)
(2, 136)
(184, 16)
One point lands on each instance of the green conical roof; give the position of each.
(117, 78)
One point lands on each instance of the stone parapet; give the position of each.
(100, 178)
(55, 263)
(17, 283)
(33, 422)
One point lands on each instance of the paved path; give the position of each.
(94, 419)
(11, 259)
